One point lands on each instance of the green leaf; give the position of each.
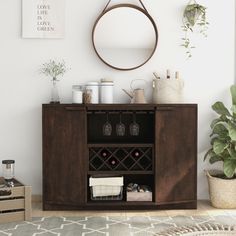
(224, 155)
(232, 152)
(232, 131)
(233, 94)
(219, 146)
(233, 109)
(215, 159)
(220, 108)
(230, 167)
(213, 140)
(208, 153)
(220, 129)
(222, 118)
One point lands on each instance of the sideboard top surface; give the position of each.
(118, 106)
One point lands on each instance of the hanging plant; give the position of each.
(194, 18)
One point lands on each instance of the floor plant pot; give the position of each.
(222, 191)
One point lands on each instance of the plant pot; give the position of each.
(192, 15)
(222, 191)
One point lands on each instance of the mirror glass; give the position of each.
(125, 37)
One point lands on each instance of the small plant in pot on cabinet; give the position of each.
(54, 69)
(222, 185)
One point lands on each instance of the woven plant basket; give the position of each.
(222, 191)
(169, 91)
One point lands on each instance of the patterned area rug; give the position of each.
(123, 226)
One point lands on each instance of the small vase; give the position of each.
(54, 93)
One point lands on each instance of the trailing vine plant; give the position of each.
(194, 18)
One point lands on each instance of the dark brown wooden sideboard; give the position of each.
(73, 138)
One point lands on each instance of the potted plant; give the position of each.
(54, 70)
(222, 185)
(194, 17)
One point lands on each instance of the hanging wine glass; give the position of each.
(134, 126)
(120, 128)
(107, 127)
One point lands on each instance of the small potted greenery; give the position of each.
(54, 70)
(194, 18)
(222, 185)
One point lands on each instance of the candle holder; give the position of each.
(8, 170)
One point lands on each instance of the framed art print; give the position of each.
(43, 18)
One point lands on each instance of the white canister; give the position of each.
(77, 94)
(94, 87)
(106, 91)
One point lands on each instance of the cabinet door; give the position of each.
(64, 155)
(176, 154)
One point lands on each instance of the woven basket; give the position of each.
(168, 91)
(222, 191)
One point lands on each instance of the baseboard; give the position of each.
(36, 198)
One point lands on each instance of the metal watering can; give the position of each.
(137, 95)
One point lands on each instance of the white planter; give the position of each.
(222, 191)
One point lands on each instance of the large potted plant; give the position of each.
(222, 185)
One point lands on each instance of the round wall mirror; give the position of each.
(125, 36)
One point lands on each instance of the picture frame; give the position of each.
(43, 19)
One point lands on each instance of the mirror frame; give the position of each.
(145, 12)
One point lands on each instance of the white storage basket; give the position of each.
(106, 188)
(169, 91)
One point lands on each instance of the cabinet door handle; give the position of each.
(75, 108)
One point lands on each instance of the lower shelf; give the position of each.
(120, 206)
(119, 203)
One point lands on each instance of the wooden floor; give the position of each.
(204, 208)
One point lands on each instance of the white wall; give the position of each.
(22, 91)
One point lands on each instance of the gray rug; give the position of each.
(123, 226)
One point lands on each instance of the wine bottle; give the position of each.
(113, 162)
(104, 153)
(136, 153)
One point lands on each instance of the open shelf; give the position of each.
(125, 203)
(130, 156)
(140, 179)
(96, 121)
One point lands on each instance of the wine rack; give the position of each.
(121, 159)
